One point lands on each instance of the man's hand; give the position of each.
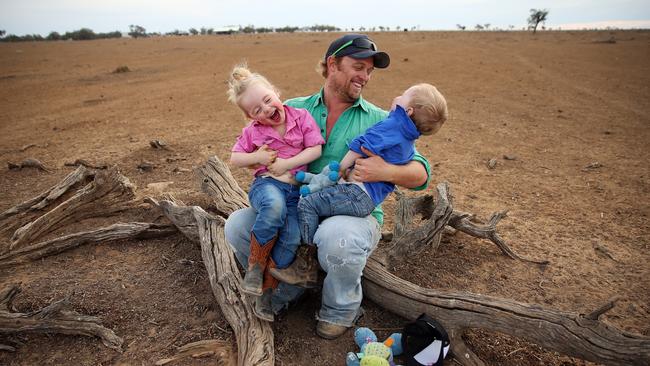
(265, 155)
(279, 167)
(371, 169)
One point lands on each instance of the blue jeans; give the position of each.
(275, 204)
(339, 199)
(344, 244)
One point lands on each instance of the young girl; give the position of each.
(279, 141)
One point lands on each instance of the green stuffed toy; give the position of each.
(374, 353)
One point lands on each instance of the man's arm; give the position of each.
(374, 169)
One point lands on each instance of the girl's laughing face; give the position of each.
(262, 104)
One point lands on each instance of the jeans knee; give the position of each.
(273, 212)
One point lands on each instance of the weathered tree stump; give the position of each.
(108, 193)
(25, 212)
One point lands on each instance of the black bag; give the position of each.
(422, 335)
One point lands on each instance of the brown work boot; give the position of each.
(303, 271)
(330, 330)
(263, 308)
(252, 283)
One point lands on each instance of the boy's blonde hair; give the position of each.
(429, 108)
(241, 78)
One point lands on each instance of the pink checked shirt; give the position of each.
(302, 132)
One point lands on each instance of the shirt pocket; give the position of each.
(294, 139)
(260, 140)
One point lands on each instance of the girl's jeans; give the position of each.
(275, 204)
(339, 199)
(344, 243)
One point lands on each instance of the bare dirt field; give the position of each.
(565, 115)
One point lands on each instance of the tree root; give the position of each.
(208, 348)
(567, 333)
(54, 318)
(136, 230)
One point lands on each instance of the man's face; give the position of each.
(349, 76)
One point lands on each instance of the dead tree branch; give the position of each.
(54, 318)
(25, 212)
(135, 230)
(567, 333)
(460, 222)
(108, 193)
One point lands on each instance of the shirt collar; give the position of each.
(407, 125)
(320, 99)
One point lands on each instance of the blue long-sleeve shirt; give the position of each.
(393, 140)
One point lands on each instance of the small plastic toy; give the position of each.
(315, 182)
(374, 353)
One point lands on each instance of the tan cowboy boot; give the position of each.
(263, 308)
(303, 271)
(252, 283)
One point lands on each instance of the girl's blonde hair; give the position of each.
(429, 108)
(241, 78)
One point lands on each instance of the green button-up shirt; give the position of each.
(353, 122)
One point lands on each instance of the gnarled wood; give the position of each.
(413, 240)
(136, 230)
(217, 181)
(254, 336)
(211, 347)
(567, 333)
(25, 212)
(460, 222)
(108, 193)
(53, 318)
(435, 215)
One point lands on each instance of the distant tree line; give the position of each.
(137, 31)
(536, 17)
(78, 35)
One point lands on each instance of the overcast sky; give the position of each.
(43, 16)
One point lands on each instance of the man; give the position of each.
(343, 242)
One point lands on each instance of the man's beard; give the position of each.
(346, 94)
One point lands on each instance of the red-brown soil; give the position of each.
(556, 102)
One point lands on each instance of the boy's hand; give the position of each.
(279, 167)
(265, 155)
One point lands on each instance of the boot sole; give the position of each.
(250, 292)
(263, 317)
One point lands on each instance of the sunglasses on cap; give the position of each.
(363, 43)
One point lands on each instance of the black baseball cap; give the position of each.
(358, 46)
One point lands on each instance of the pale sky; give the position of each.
(43, 16)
